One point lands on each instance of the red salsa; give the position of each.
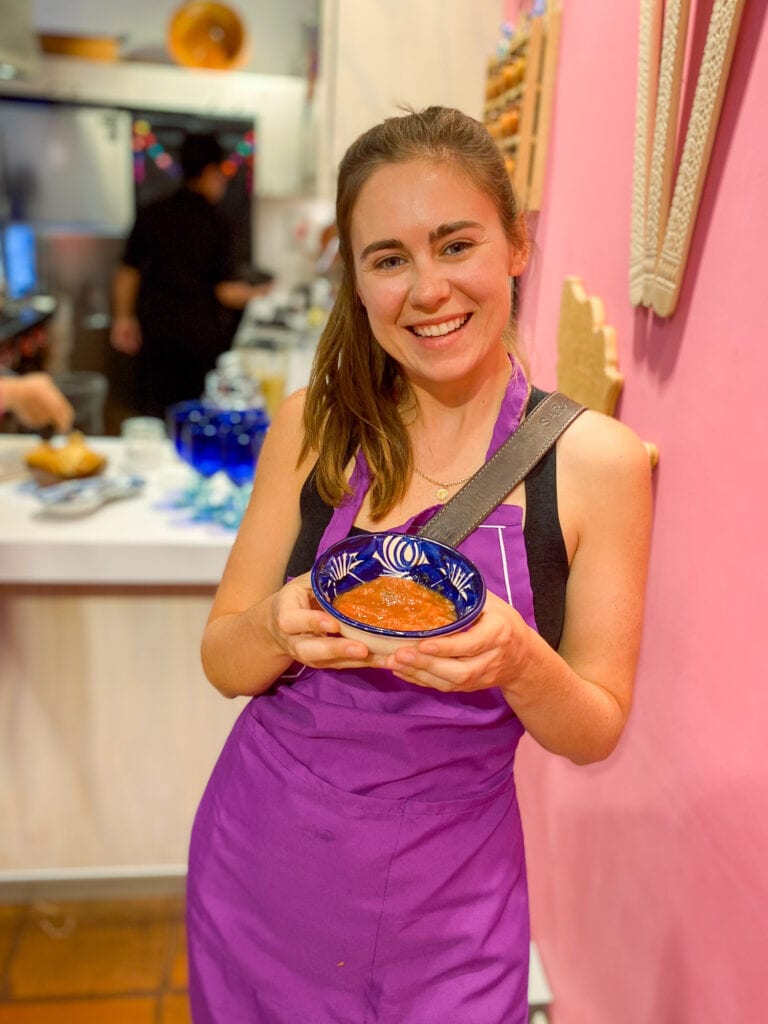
(394, 602)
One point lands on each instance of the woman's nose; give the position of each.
(429, 287)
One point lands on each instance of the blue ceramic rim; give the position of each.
(407, 634)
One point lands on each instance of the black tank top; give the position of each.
(544, 544)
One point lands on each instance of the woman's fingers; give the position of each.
(310, 636)
(441, 673)
(336, 652)
(301, 621)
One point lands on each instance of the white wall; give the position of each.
(288, 236)
(379, 55)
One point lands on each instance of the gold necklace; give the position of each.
(442, 489)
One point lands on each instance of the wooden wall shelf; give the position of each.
(518, 102)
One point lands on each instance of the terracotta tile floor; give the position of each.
(94, 963)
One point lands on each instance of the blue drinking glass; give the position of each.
(241, 440)
(175, 418)
(239, 457)
(201, 447)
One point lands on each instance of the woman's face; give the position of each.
(432, 267)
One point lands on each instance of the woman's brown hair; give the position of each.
(356, 389)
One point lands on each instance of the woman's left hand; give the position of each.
(493, 651)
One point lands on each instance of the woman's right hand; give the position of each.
(308, 634)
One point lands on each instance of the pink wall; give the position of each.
(649, 872)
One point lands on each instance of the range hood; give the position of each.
(19, 47)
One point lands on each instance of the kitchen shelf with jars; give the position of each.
(519, 91)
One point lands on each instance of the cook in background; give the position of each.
(174, 286)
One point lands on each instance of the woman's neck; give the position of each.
(458, 404)
(457, 419)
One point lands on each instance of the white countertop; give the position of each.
(133, 541)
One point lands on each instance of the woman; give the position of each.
(357, 856)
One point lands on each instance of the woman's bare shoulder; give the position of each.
(603, 478)
(285, 437)
(599, 444)
(603, 484)
(290, 412)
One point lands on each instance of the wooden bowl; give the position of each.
(202, 34)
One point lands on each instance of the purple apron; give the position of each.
(357, 857)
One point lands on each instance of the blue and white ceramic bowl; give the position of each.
(364, 557)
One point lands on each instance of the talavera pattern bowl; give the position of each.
(364, 557)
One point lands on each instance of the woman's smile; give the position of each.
(441, 328)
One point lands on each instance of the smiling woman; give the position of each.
(358, 852)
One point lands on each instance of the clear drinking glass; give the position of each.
(145, 442)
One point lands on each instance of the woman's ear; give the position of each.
(518, 260)
(519, 248)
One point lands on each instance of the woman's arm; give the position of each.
(575, 701)
(258, 626)
(604, 489)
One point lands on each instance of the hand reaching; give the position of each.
(36, 401)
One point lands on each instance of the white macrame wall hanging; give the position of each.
(664, 211)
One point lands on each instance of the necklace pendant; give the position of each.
(442, 493)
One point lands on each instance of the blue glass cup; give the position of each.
(241, 436)
(201, 449)
(176, 416)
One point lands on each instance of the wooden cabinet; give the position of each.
(518, 102)
(108, 727)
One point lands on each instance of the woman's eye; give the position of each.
(457, 248)
(389, 263)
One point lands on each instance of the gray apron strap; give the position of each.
(504, 470)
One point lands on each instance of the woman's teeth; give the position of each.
(438, 330)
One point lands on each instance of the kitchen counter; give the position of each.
(108, 727)
(135, 541)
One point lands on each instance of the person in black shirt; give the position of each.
(171, 290)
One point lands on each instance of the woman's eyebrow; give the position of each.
(384, 243)
(448, 229)
(434, 236)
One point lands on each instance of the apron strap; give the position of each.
(490, 485)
